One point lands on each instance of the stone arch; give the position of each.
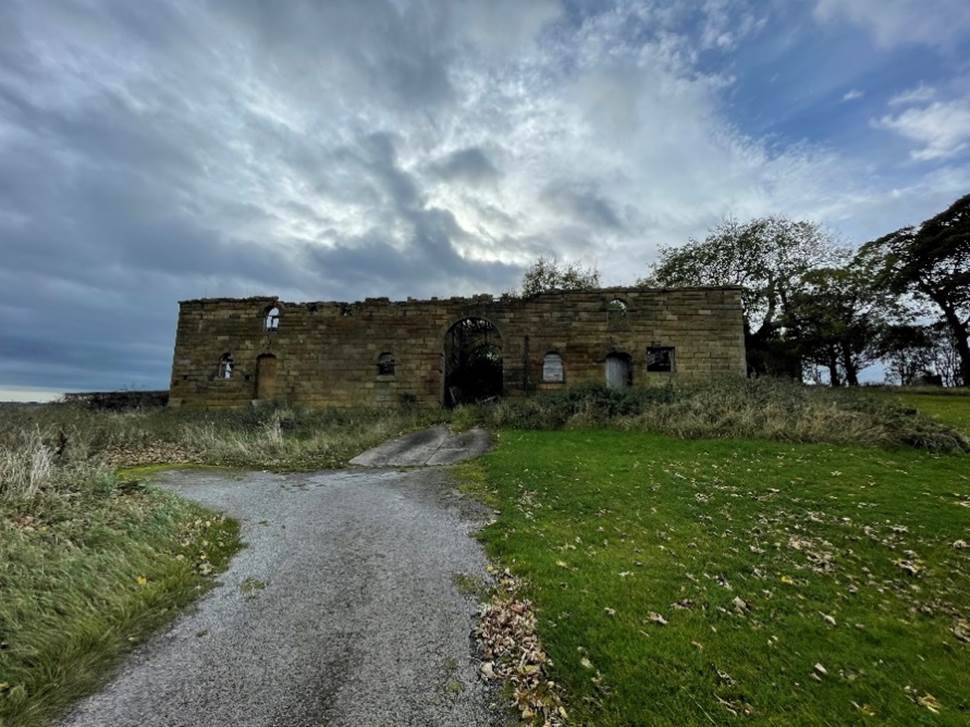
(473, 369)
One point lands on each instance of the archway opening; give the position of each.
(473, 362)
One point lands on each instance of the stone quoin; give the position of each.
(231, 352)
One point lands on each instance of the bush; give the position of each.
(759, 408)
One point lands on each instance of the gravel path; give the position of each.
(342, 610)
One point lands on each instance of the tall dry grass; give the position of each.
(64, 448)
(729, 408)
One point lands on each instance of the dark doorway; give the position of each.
(266, 368)
(473, 362)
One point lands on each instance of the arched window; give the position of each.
(616, 309)
(552, 369)
(385, 364)
(272, 319)
(226, 365)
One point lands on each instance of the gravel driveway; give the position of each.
(343, 609)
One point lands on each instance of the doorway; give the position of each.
(619, 372)
(266, 370)
(473, 362)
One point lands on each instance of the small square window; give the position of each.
(226, 365)
(385, 365)
(660, 359)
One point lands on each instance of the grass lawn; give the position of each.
(950, 409)
(84, 576)
(707, 582)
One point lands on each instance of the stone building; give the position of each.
(231, 352)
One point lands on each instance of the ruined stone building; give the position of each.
(231, 352)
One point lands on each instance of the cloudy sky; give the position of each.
(156, 151)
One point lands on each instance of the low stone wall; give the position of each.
(327, 353)
(118, 399)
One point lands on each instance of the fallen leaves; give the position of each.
(961, 629)
(910, 567)
(818, 552)
(513, 653)
(740, 605)
(925, 699)
(656, 618)
(155, 453)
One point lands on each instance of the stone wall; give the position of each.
(118, 399)
(326, 354)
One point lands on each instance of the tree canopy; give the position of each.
(931, 262)
(768, 257)
(549, 274)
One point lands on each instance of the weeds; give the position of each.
(730, 408)
(63, 448)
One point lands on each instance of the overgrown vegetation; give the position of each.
(730, 408)
(93, 562)
(91, 565)
(720, 581)
(268, 437)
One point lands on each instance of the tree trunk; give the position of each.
(963, 348)
(960, 337)
(851, 370)
(833, 365)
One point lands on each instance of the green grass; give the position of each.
(839, 556)
(950, 409)
(85, 575)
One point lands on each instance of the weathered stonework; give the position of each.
(327, 354)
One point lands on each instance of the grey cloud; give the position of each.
(471, 165)
(135, 191)
(151, 152)
(583, 203)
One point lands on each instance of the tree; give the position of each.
(768, 257)
(549, 274)
(932, 262)
(908, 350)
(836, 318)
